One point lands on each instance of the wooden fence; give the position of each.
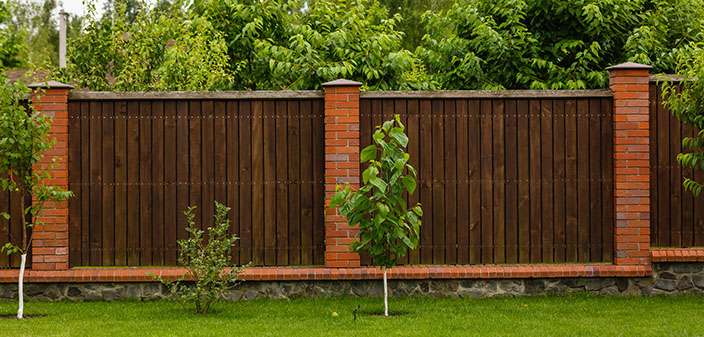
(506, 179)
(676, 218)
(136, 164)
(11, 230)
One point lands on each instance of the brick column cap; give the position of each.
(50, 85)
(629, 65)
(341, 83)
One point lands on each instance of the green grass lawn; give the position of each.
(534, 316)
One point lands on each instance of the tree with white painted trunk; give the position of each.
(24, 137)
(387, 226)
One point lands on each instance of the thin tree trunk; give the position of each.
(386, 295)
(20, 310)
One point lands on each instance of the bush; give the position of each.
(207, 262)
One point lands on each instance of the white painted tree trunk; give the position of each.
(386, 295)
(20, 310)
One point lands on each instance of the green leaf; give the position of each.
(410, 183)
(368, 153)
(398, 135)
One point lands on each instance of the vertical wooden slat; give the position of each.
(400, 108)
(699, 213)
(475, 185)
(450, 160)
(511, 201)
(294, 190)
(653, 120)
(499, 184)
(524, 190)
(258, 185)
(412, 127)
(319, 188)
(220, 148)
(16, 214)
(687, 199)
(145, 180)
(307, 184)
(536, 247)
(583, 178)
(438, 182)
(281, 186)
(182, 166)
(96, 183)
(571, 205)
(595, 239)
(74, 180)
(170, 184)
(607, 169)
(85, 183)
(121, 196)
(675, 140)
(426, 179)
(195, 161)
(207, 201)
(547, 179)
(157, 187)
(270, 141)
(663, 132)
(487, 197)
(462, 199)
(559, 177)
(5, 225)
(245, 109)
(108, 197)
(233, 181)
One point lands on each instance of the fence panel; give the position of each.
(135, 165)
(677, 218)
(507, 180)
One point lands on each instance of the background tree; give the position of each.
(387, 227)
(11, 45)
(24, 137)
(688, 105)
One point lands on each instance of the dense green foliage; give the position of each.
(11, 45)
(686, 101)
(466, 44)
(157, 51)
(575, 315)
(24, 138)
(387, 226)
(207, 259)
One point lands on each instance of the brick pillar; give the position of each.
(341, 166)
(629, 83)
(50, 240)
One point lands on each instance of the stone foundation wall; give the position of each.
(668, 278)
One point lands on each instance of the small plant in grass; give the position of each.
(24, 137)
(207, 262)
(387, 226)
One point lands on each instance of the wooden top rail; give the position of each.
(430, 94)
(241, 95)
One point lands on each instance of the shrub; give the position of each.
(207, 262)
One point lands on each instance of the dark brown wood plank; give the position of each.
(462, 199)
(258, 184)
(5, 223)
(595, 239)
(400, 109)
(195, 162)
(157, 187)
(85, 184)
(171, 210)
(559, 176)
(220, 148)
(74, 185)
(607, 173)
(207, 201)
(653, 140)
(547, 180)
(121, 196)
(319, 187)
(675, 182)
(108, 197)
(245, 109)
(536, 247)
(270, 141)
(145, 180)
(571, 205)
(414, 138)
(524, 206)
(663, 163)
(687, 199)
(426, 182)
(511, 198)
(475, 206)
(499, 184)
(282, 204)
(583, 214)
(233, 182)
(16, 214)
(182, 167)
(306, 158)
(96, 182)
(438, 182)
(699, 214)
(450, 160)
(487, 179)
(294, 187)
